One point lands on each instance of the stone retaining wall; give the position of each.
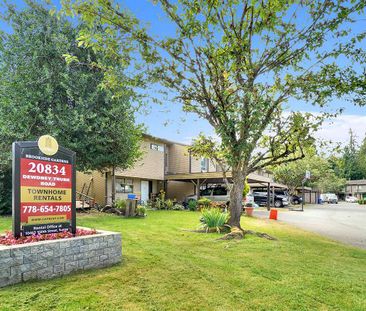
(54, 258)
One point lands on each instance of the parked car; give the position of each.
(261, 199)
(330, 198)
(351, 199)
(217, 194)
(295, 199)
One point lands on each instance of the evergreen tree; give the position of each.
(361, 159)
(351, 169)
(41, 94)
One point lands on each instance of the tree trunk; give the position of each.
(236, 197)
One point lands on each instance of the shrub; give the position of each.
(5, 191)
(192, 205)
(149, 204)
(178, 207)
(169, 204)
(121, 205)
(141, 210)
(204, 203)
(246, 189)
(159, 203)
(220, 205)
(162, 195)
(213, 219)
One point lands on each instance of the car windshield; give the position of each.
(220, 191)
(206, 191)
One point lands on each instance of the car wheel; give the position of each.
(278, 203)
(296, 202)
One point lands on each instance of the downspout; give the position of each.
(113, 184)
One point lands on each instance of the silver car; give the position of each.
(216, 194)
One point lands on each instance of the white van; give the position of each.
(329, 198)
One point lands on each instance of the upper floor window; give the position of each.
(204, 165)
(157, 147)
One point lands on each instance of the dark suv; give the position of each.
(294, 199)
(261, 199)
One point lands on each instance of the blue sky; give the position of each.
(167, 121)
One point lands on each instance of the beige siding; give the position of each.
(179, 190)
(136, 188)
(151, 166)
(178, 159)
(212, 167)
(195, 165)
(311, 197)
(97, 185)
(157, 185)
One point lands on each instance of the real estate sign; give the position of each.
(43, 187)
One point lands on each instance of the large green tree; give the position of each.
(330, 182)
(292, 174)
(236, 64)
(41, 94)
(323, 177)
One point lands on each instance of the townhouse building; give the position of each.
(356, 188)
(165, 165)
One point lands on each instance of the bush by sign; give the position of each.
(44, 191)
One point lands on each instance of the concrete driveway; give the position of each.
(345, 222)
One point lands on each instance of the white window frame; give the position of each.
(157, 147)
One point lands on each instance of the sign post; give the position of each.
(44, 194)
(307, 176)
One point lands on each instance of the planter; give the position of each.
(54, 258)
(249, 211)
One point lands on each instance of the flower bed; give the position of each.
(55, 255)
(9, 239)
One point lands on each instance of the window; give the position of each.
(124, 185)
(157, 147)
(204, 165)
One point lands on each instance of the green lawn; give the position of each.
(166, 268)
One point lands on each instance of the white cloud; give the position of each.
(337, 130)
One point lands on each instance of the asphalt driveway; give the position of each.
(345, 222)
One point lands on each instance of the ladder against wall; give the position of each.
(85, 201)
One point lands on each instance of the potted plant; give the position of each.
(249, 207)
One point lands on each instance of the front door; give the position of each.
(144, 190)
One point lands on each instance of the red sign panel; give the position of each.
(37, 173)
